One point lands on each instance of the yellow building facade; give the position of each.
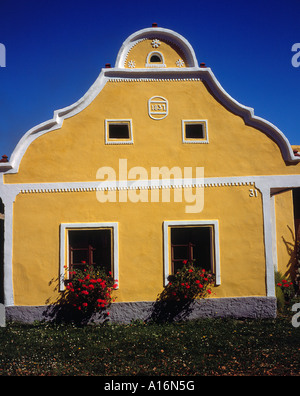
(155, 164)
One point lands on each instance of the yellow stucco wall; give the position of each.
(36, 261)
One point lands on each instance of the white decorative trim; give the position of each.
(128, 185)
(8, 196)
(68, 187)
(131, 64)
(197, 141)
(180, 63)
(64, 245)
(131, 47)
(108, 140)
(155, 43)
(268, 240)
(153, 79)
(168, 224)
(274, 232)
(158, 108)
(276, 181)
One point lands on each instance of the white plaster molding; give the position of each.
(67, 187)
(124, 79)
(268, 239)
(265, 185)
(276, 181)
(8, 197)
(64, 227)
(274, 232)
(247, 113)
(158, 107)
(168, 224)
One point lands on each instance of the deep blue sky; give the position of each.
(55, 50)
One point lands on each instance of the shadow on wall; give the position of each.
(61, 311)
(292, 250)
(159, 312)
(171, 311)
(65, 313)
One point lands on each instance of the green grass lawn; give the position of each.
(202, 347)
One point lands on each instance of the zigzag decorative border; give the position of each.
(153, 79)
(133, 185)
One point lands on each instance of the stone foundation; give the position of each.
(239, 307)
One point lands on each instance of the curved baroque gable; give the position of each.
(156, 38)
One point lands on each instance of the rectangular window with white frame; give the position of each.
(194, 131)
(118, 131)
(196, 241)
(82, 244)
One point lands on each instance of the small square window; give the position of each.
(194, 131)
(118, 132)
